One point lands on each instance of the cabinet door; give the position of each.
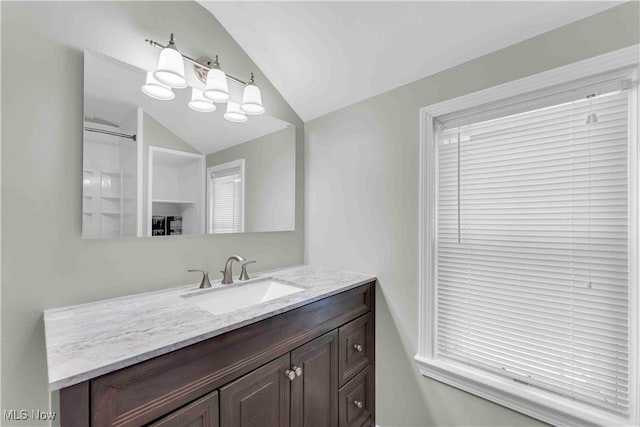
(258, 399)
(201, 413)
(314, 393)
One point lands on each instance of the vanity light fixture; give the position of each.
(252, 99)
(170, 69)
(170, 74)
(217, 88)
(199, 102)
(234, 113)
(153, 88)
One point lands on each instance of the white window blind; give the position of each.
(532, 268)
(226, 199)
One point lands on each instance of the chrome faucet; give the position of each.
(227, 275)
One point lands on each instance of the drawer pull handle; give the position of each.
(357, 347)
(297, 370)
(290, 374)
(358, 404)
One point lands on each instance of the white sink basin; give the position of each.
(240, 295)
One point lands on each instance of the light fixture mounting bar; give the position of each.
(194, 62)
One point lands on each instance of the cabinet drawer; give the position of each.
(355, 400)
(355, 347)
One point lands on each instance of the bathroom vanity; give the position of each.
(303, 359)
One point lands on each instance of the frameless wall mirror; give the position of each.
(157, 168)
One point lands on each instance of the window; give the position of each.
(529, 284)
(225, 197)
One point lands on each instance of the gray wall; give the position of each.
(156, 134)
(45, 262)
(269, 179)
(362, 205)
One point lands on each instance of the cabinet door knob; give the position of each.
(290, 374)
(358, 404)
(357, 347)
(297, 370)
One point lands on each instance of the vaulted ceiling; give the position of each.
(323, 56)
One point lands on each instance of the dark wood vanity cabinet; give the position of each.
(310, 366)
(258, 398)
(201, 413)
(314, 401)
(297, 389)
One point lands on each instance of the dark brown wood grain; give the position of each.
(314, 395)
(358, 390)
(258, 399)
(141, 393)
(203, 412)
(358, 332)
(371, 336)
(74, 405)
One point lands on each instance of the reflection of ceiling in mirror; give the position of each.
(112, 92)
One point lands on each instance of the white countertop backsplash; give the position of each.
(88, 340)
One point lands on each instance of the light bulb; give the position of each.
(234, 113)
(252, 100)
(217, 89)
(157, 90)
(200, 103)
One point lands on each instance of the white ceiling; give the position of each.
(322, 56)
(112, 94)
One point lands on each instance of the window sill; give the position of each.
(549, 408)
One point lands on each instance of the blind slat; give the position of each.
(532, 268)
(226, 200)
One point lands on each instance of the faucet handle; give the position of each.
(205, 283)
(243, 274)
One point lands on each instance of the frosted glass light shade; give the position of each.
(217, 89)
(170, 69)
(199, 102)
(157, 90)
(234, 113)
(252, 100)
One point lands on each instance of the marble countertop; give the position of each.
(88, 340)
